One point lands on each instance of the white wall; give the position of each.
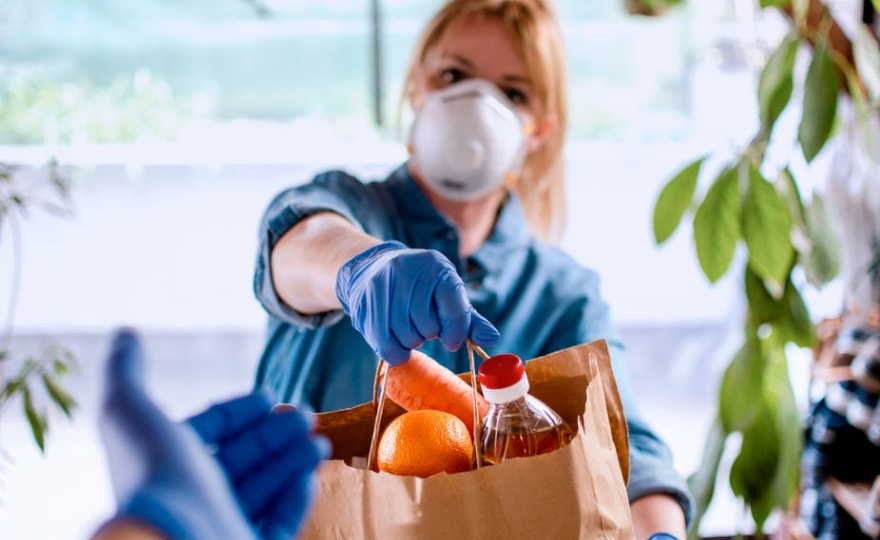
(171, 246)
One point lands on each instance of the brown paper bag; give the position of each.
(576, 492)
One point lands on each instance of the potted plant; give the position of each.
(750, 218)
(33, 378)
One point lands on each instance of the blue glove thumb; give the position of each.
(162, 474)
(662, 536)
(398, 298)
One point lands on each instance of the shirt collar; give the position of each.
(510, 233)
(411, 201)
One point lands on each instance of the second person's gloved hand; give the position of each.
(398, 298)
(269, 456)
(257, 486)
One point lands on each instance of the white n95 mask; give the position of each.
(467, 139)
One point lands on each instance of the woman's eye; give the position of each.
(518, 97)
(452, 75)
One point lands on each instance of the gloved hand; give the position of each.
(662, 536)
(268, 456)
(398, 298)
(164, 475)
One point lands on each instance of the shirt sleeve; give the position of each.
(651, 465)
(333, 191)
(651, 468)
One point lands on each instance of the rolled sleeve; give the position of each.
(651, 469)
(286, 210)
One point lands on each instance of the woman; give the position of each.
(455, 244)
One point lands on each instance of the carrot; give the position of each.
(422, 383)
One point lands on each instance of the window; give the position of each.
(111, 72)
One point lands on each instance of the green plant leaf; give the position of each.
(819, 106)
(822, 262)
(795, 323)
(790, 443)
(716, 225)
(741, 388)
(36, 422)
(766, 227)
(787, 187)
(775, 83)
(702, 482)
(675, 198)
(10, 388)
(59, 395)
(772, 3)
(60, 367)
(62, 355)
(753, 471)
(763, 308)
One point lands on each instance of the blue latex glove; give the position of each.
(662, 536)
(268, 457)
(165, 477)
(398, 298)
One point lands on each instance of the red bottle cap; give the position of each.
(501, 371)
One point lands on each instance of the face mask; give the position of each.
(467, 139)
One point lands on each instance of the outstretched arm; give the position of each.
(307, 258)
(256, 483)
(397, 297)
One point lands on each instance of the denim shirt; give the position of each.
(539, 298)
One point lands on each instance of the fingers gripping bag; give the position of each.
(575, 492)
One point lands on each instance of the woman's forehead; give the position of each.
(486, 44)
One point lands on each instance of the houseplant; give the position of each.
(751, 219)
(35, 378)
(35, 109)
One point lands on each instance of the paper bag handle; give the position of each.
(478, 452)
(379, 404)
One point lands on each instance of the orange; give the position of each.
(424, 443)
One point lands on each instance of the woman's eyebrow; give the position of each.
(518, 79)
(460, 59)
(510, 77)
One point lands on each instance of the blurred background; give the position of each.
(176, 122)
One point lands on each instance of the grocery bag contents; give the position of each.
(424, 443)
(423, 383)
(576, 492)
(517, 424)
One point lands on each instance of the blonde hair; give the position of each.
(533, 23)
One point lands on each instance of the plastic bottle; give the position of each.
(517, 424)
